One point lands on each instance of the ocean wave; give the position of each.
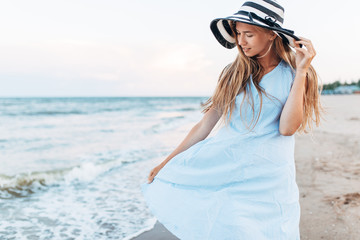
(187, 109)
(24, 184)
(63, 112)
(169, 119)
(44, 113)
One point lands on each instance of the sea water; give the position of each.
(71, 168)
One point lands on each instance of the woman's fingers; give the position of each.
(309, 49)
(303, 51)
(305, 39)
(153, 173)
(308, 44)
(304, 55)
(151, 176)
(296, 43)
(150, 179)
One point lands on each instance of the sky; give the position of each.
(66, 48)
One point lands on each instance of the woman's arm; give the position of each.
(199, 132)
(292, 113)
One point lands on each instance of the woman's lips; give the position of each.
(246, 49)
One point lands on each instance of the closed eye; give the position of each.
(248, 35)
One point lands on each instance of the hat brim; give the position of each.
(221, 29)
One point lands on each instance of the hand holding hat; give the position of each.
(304, 56)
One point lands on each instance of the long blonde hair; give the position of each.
(236, 76)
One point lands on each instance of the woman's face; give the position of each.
(253, 40)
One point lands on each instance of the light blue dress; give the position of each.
(235, 185)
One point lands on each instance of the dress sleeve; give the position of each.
(292, 77)
(288, 80)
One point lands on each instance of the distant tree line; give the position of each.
(332, 86)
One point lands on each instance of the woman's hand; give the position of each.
(154, 172)
(304, 56)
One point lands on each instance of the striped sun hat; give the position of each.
(264, 13)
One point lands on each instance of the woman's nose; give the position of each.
(241, 40)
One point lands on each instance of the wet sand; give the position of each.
(328, 175)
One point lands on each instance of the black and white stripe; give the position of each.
(264, 8)
(264, 13)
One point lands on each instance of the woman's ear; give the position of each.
(272, 36)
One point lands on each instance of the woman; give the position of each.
(240, 183)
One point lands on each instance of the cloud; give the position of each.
(65, 59)
(179, 57)
(154, 69)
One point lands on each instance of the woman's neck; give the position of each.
(270, 61)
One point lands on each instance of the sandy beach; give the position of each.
(328, 175)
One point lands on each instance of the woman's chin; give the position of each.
(249, 54)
